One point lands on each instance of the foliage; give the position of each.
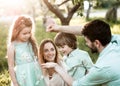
(41, 33)
(76, 1)
(104, 3)
(3, 64)
(98, 3)
(80, 9)
(4, 78)
(3, 37)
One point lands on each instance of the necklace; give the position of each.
(50, 73)
(50, 76)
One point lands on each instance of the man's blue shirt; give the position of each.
(106, 71)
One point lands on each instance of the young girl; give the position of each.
(77, 61)
(22, 53)
(49, 53)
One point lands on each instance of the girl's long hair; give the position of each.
(18, 25)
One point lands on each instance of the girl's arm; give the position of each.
(11, 62)
(66, 77)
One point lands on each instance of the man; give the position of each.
(106, 70)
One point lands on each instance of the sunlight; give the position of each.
(11, 7)
(11, 3)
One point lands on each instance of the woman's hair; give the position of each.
(66, 39)
(41, 51)
(18, 25)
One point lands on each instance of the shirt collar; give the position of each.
(105, 50)
(73, 52)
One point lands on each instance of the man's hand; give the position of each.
(52, 28)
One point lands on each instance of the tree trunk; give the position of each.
(88, 11)
(111, 15)
(65, 21)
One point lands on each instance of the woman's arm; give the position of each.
(10, 54)
(67, 78)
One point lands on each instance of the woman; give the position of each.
(49, 53)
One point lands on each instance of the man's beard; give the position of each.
(93, 49)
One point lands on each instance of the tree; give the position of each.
(54, 8)
(111, 14)
(88, 10)
(32, 8)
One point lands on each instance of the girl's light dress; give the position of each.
(28, 72)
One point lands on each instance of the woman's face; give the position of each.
(49, 52)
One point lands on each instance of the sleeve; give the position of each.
(96, 76)
(116, 39)
(87, 62)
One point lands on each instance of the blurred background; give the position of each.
(64, 12)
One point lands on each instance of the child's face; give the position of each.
(65, 49)
(24, 35)
(49, 52)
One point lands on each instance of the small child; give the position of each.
(22, 52)
(77, 61)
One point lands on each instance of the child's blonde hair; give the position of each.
(18, 25)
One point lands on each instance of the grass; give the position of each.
(4, 78)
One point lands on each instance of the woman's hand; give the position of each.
(66, 77)
(49, 65)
